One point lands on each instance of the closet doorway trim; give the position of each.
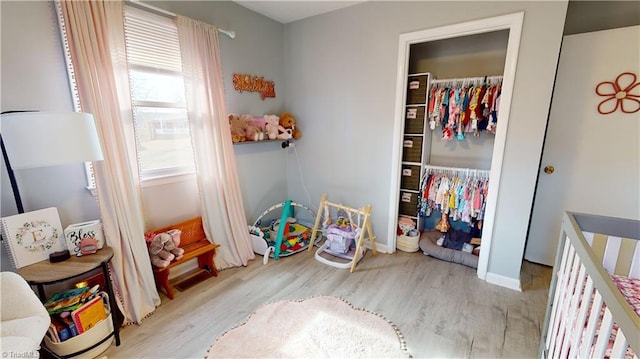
(513, 23)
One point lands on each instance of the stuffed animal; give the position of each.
(253, 132)
(259, 123)
(175, 248)
(284, 133)
(289, 122)
(163, 248)
(160, 257)
(238, 126)
(271, 126)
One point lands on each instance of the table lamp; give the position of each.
(32, 139)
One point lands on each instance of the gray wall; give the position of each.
(341, 80)
(34, 77)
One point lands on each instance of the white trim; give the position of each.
(163, 180)
(380, 247)
(513, 23)
(503, 281)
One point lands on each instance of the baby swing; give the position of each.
(275, 240)
(345, 237)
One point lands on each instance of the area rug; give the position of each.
(318, 327)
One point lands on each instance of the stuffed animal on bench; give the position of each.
(163, 248)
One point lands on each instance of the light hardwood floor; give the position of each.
(442, 309)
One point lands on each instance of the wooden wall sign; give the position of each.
(252, 83)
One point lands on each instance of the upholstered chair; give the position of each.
(24, 319)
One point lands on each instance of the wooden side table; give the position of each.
(45, 273)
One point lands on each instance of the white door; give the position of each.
(595, 157)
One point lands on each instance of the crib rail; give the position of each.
(579, 290)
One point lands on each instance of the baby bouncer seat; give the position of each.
(344, 245)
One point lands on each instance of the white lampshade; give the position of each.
(40, 139)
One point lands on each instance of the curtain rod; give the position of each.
(468, 80)
(473, 171)
(230, 33)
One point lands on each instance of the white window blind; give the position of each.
(163, 141)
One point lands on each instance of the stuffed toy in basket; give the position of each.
(341, 239)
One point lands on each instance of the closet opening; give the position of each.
(455, 63)
(474, 63)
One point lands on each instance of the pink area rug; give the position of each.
(318, 327)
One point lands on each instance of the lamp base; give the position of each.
(59, 256)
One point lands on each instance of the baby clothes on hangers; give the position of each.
(457, 195)
(460, 108)
(495, 104)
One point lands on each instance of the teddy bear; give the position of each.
(271, 126)
(238, 126)
(289, 122)
(259, 123)
(163, 248)
(253, 132)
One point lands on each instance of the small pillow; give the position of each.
(428, 245)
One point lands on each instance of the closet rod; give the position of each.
(459, 169)
(480, 80)
(230, 33)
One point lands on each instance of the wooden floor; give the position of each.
(442, 309)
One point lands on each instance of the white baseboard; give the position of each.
(503, 281)
(380, 248)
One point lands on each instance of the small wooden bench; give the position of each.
(195, 244)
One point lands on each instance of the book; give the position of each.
(67, 301)
(29, 237)
(61, 329)
(90, 314)
(53, 333)
(68, 322)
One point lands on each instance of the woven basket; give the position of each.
(412, 149)
(414, 120)
(417, 90)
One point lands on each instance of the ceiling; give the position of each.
(582, 16)
(289, 11)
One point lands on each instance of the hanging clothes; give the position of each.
(468, 105)
(458, 193)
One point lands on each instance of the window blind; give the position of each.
(151, 40)
(163, 143)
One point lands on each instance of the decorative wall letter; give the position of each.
(623, 93)
(245, 82)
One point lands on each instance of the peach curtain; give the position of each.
(96, 44)
(221, 200)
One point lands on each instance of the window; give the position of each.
(163, 141)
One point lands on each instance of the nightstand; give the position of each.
(46, 273)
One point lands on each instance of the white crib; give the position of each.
(585, 307)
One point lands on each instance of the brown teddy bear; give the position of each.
(238, 126)
(289, 122)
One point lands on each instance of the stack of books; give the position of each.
(74, 312)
